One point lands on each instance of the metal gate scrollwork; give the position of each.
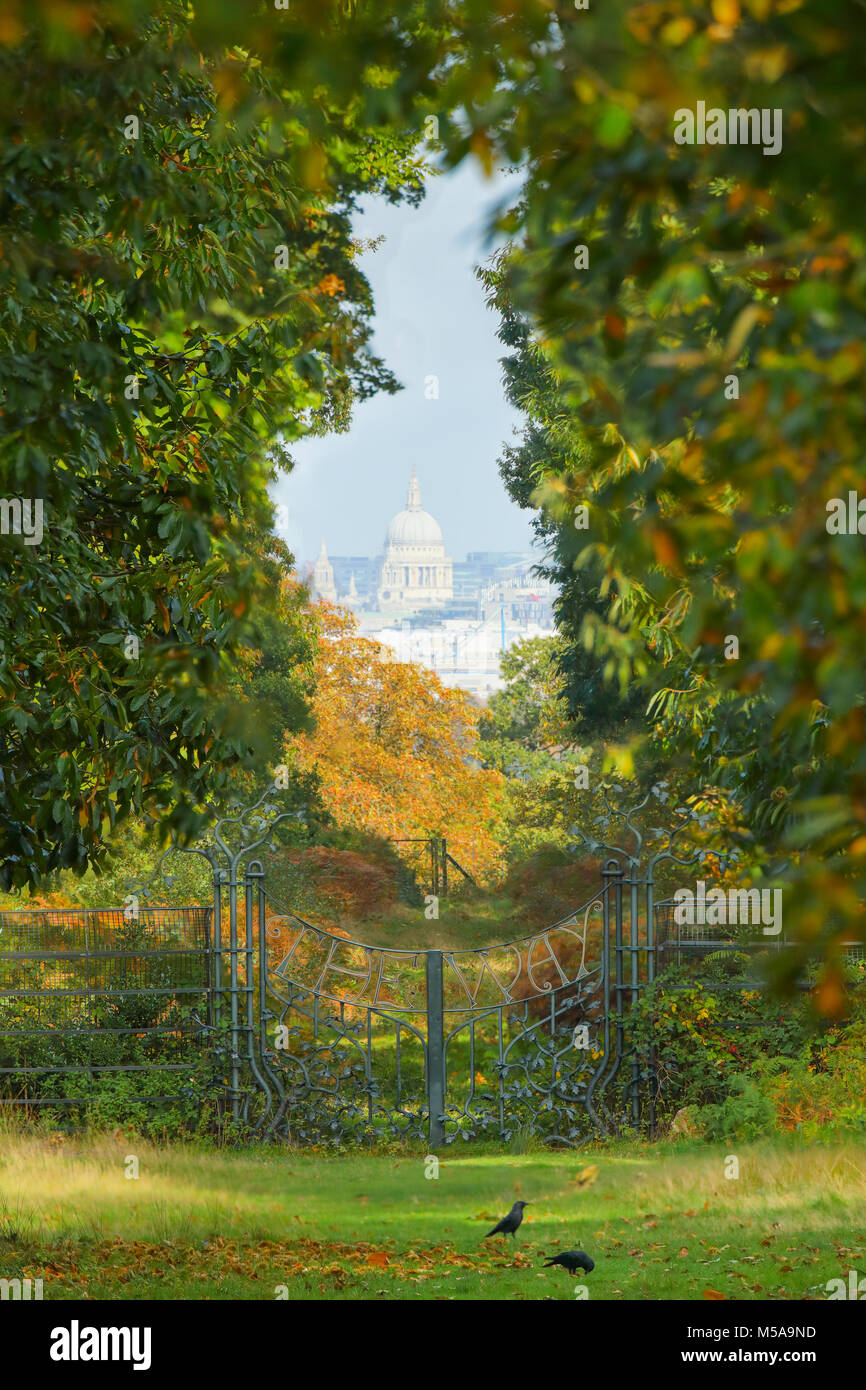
(330, 1040)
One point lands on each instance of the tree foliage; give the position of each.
(707, 509)
(707, 513)
(395, 751)
(530, 710)
(179, 289)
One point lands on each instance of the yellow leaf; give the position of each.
(771, 646)
(743, 325)
(678, 30)
(727, 12)
(830, 994)
(586, 1175)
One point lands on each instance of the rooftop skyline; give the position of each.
(412, 515)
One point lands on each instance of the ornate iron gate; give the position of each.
(319, 1038)
(345, 1041)
(362, 1042)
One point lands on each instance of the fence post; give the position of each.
(650, 977)
(634, 950)
(435, 1050)
(217, 944)
(234, 991)
(613, 877)
(253, 879)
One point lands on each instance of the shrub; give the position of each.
(745, 1113)
(824, 1087)
(749, 1061)
(550, 884)
(335, 886)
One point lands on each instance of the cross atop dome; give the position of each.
(413, 501)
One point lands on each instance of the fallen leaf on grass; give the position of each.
(584, 1176)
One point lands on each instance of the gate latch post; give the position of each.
(435, 1050)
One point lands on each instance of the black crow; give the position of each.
(509, 1224)
(572, 1260)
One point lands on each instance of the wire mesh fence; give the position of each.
(727, 953)
(99, 1008)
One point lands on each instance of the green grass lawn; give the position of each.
(660, 1222)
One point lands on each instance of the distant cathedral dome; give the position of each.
(414, 526)
(415, 571)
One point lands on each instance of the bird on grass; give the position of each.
(572, 1260)
(509, 1224)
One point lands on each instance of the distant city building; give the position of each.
(415, 572)
(455, 617)
(524, 597)
(464, 655)
(353, 598)
(365, 569)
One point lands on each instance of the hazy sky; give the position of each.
(430, 320)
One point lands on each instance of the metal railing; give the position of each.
(90, 993)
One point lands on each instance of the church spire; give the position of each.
(413, 502)
(323, 577)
